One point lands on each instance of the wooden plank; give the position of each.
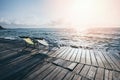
(66, 64)
(78, 56)
(83, 56)
(115, 55)
(39, 66)
(51, 52)
(69, 76)
(8, 55)
(61, 75)
(72, 66)
(106, 75)
(99, 74)
(66, 53)
(110, 75)
(78, 68)
(84, 78)
(36, 73)
(73, 57)
(88, 57)
(76, 77)
(45, 73)
(91, 73)
(113, 65)
(107, 65)
(93, 59)
(59, 62)
(14, 69)
(62, 53)
(116, 75)
(79, 77)
(114, 60)
(100, 63)
(85, 70)
(70, 54)
(5, 51)
(53, 74)
(57, 52)
(15, 60)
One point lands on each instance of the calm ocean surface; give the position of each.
(106, 38)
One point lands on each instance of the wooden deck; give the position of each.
(65, 63)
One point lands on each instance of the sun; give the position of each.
(82, 13)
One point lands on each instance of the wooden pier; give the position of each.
(66, 63)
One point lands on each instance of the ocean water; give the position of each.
(103, 38)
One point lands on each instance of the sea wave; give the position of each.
(108, 39)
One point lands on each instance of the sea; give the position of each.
(102, 38)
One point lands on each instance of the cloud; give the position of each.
(29, 20)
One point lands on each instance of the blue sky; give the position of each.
(28, 12)
(16, 13)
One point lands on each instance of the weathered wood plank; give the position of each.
(57, 52)
(84, 78)
(53, 74)
(14, 60)
(106, 74)
(39, 66)
(70, 54)
(91, 73)
(61, 50)
(79, 78)
(36, 73)
(100, 63)
(78, 56)
(85, 70)
(16, 69)
(61, 75)
(66, 64)
(59, 62)
(62, 53)
(107, 65)
(83, 56)
(66, 53)
(9, 54)
(114, 60)
(116, 75)
(72, 66)
(69, 76)
(45, 73)
(110, 75)
(76, 77)
(88, 57)
(99, 74)
(78, 68)
(113, 65)
(53, 51)
(93, 58)
(73, 57)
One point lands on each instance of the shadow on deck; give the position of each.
(66, 63)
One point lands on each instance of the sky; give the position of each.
(60, 13)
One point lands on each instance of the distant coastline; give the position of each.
(1, 28)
